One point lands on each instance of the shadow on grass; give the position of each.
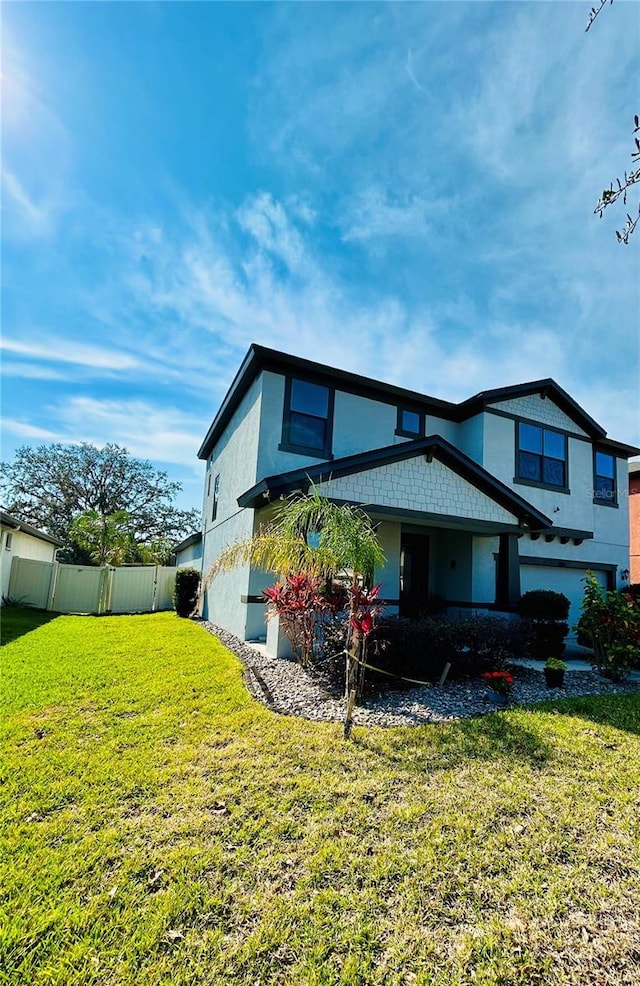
(15, 621)
(487, 738)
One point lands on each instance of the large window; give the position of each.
(308, 418)
(604, 478)
(541, 456)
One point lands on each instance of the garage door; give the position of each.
(570, 581)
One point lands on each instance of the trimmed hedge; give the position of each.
(544, 623)
(420, 649)
(544, 604)
(185, 593)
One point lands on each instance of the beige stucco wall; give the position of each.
(23, 545)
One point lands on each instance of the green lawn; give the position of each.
(161, 827)
(14, 621)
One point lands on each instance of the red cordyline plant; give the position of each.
(364, 607)
(344, 542)
(298, 601)
(499, 681)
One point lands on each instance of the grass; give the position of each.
(15, 620)
(161, 827)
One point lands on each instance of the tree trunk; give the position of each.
(348, 722)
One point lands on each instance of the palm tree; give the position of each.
(311, 535)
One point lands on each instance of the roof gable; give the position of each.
(514, 400)
(260, 358)
(432, 447)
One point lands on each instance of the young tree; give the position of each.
(107, 540)
(343, 542)
(53, 485)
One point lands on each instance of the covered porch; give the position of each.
(448, 528)
(433, 565)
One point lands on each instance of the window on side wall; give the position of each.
(410, 423)
(216, 492)
(308, 418)
(541, 456)
(604, 479)
(7, 541)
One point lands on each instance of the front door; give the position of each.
(414, 573)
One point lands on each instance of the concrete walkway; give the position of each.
(577, 659)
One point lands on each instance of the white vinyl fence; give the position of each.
(84, 589)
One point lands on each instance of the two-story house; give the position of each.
(513, 489)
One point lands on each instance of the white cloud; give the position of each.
(30, 371)
(36, 214)
(25, 430)
(268, 223)
(148, 430)
(374, 214)
(69, 351)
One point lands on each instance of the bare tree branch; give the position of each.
(594, 13)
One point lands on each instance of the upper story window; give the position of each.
(308, 418)
(7, 541)
(604, 478)
(216, 496)
(541, 456)
(410, 423)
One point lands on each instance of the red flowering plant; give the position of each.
(298, 601)
(500, 682)
(364, 607)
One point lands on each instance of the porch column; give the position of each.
(508, 581)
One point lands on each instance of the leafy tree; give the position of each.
(312, 536)
(53, 486)
(107, 540)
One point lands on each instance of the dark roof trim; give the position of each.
(546, 388)
(21, 525)
(260, 358)
(188, 541)
(274, 486)
(568, 532)
(617, 448)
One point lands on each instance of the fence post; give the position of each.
(104, 596)
(53, 582)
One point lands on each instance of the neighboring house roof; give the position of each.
(259, 358)
(195, 538)
(20, 525)
(274, 486)
(634, 468)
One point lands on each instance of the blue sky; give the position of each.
(404, 191)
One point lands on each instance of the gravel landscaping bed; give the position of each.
(285, 687)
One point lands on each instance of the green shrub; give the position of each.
(544, 604)
(610, 623)
(632, 590)
(185, 593)
(544, 622)
(420, 649)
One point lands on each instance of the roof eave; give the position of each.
(271, 487)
